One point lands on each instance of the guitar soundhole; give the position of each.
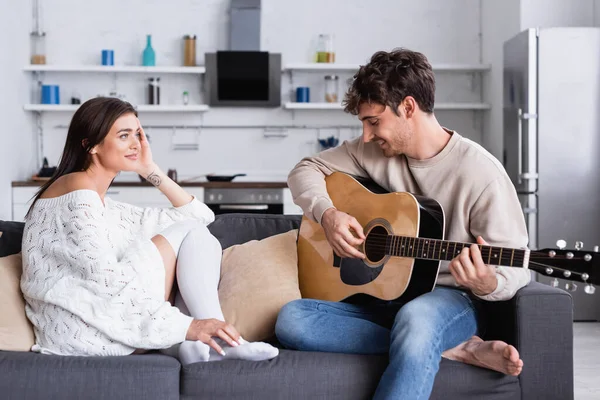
(376, 243)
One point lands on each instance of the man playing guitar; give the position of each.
(404, 148)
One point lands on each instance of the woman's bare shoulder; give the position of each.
(69, 183)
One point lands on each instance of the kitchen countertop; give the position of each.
(220, 185)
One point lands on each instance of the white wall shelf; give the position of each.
(462, 106)
(140, 108)
(175, 108)
(337, 106)
(312, 106)
(116, 68)
(354, 67)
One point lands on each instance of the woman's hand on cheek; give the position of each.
(146, 163)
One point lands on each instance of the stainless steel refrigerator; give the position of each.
(552, 140)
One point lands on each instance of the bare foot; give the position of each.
(494, 354)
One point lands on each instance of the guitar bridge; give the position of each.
(337, 260)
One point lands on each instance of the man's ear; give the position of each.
(408, 106)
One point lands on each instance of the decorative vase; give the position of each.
(149, 56)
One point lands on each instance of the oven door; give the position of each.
(246, 208)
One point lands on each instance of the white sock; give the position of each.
(174, 234)
(192, 352)
(198, 274)
(251, 351)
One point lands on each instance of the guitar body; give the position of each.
(323, 275)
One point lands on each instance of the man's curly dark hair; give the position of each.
(389, 77)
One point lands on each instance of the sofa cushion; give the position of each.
(16, 332)
(257, 279)
(313, 375)
(11, 234)
(291, 375)
(34, 376)
(233, 229)
(457, 381)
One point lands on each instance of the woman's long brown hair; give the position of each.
(89, 126)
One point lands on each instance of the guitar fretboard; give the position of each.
(434, 249)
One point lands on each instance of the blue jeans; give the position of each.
(415, 334)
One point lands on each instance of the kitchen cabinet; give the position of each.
(21, 200)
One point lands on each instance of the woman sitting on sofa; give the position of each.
(98, 274)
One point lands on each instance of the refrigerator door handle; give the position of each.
(520, 174)
(529, 175)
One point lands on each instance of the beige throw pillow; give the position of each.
(16, 332)
(257, 279)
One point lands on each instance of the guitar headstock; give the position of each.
(571, 264)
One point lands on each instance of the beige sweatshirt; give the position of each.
(471, 185)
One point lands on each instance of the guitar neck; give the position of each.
(445, 250)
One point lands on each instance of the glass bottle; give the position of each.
(189, 50)
(154, 91)
(38, 37)
(186, 98)
(38, 48)
(149, 57)
(331, 88)
(325, 52)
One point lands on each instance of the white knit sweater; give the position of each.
(93, 281)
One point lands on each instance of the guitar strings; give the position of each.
(532, 254)
(381, 242)
(507, 256)
(381, 245)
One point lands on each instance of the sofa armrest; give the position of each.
(538, 321)
(11, 234)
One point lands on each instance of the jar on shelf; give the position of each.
(154, 91)
(186, 98)
(38, 48)
(189, 50)
(325, 52)
(331, 88)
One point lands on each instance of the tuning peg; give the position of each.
(589, 289)
(585, 277)
(554, 282)
(561, 244)
(578, 245)
(549, 271)
(596, 249)
(567, 273)
(571, 287)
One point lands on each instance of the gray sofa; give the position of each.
(538, 321)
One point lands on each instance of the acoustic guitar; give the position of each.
(404, 246)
